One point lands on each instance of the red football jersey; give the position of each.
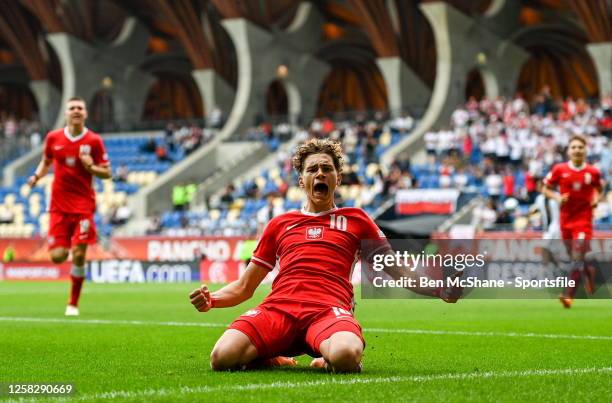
(316, 254)
(72, 190)
(579, 184)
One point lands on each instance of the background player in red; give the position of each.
(310, 308)
(77, 154)
(580, 189)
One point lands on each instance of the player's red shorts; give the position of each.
(66, 230)
(577, 237)
(293, 328)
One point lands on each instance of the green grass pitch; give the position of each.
(144, 342)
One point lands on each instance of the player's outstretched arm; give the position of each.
(447, 294)
(40, 171)
(232, 294)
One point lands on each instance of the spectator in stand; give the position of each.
(193, 141)
(215, 119)
(179, 197)
(191, 189)
(122, 173)
(150, 146)
(227, 197)
(169, 136)
(402, 124)
(494, 183)
(120, 214)
(605, 123)
(508, 182)
(161, 151)
(6, 216)
(460, 179)
(154, 226)
(268, 212)
(35, 136)
(485, 215)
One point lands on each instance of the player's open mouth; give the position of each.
(320, 189)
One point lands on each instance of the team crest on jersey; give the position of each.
(85, 149)
(70, 161)
(314, 232)
(252, 313)
(587, 178)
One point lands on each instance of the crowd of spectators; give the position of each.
(17, 136)
(503, 147)
(177, 142)
(360, 138)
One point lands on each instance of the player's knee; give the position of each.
(223, 358)
(345, 356)
(59, 255)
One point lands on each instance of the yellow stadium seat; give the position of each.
(385, 138)
(25, 190)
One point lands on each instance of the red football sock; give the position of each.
(75, 289)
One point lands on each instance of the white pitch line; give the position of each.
(109, 322)
(366, 330)
(494, 334)
(331, 381)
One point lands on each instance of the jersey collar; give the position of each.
(319, 213)
(77, 137)
(574, 168)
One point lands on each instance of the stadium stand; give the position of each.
(493, 148)
(237, 209)
(500, 148)
(136, 162)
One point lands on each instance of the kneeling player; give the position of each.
(310, 308)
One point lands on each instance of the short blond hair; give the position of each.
(318, 146)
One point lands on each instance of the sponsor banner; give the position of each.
(212, 272)
(30, 271)
(24, 248)
(426, 201)
(507, 235)
(178, 249)
(138, 271)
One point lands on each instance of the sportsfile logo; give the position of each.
(314, 232)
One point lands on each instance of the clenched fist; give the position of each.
(200, 298)
(86, 160)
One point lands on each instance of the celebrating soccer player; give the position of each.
(77, 155)
(580, 189)
(310, 308)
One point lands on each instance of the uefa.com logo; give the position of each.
(486, 268)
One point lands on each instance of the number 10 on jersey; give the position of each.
(338, 222)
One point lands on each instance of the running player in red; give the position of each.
(77, 155)
(580, 189)
(310, 308)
